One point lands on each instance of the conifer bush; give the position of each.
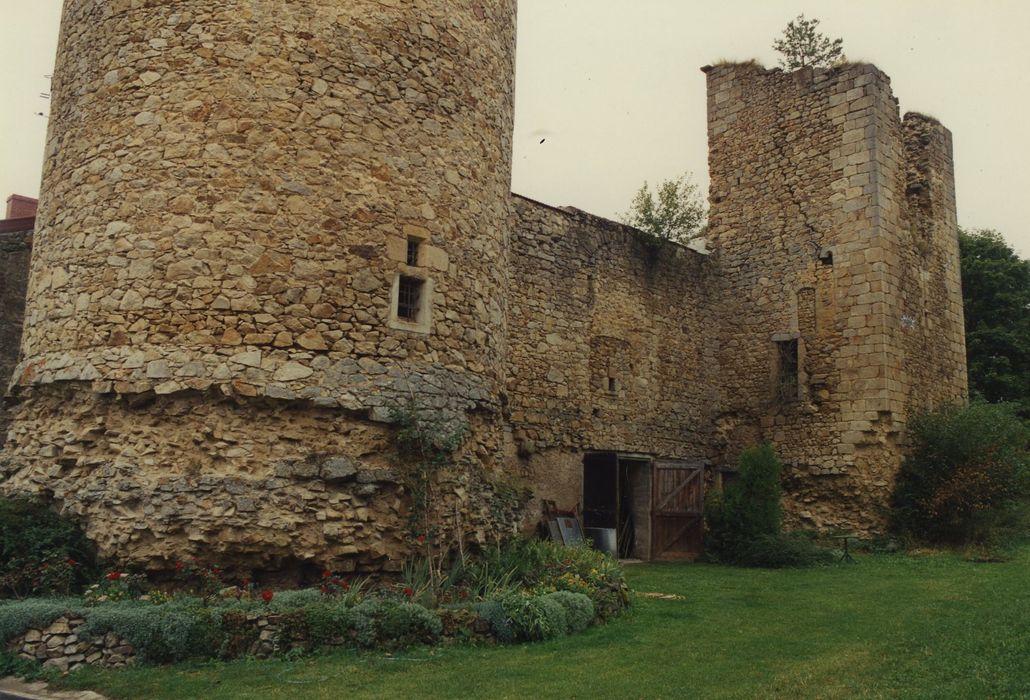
(743, 524)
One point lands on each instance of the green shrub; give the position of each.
(41, 552)
(159, 633)
(386, 623)
(493, 612)
(329, 623)
(546, 566)
(579, 609)
(291, 600)
(782, 551)
(524, 617)
(13, 665)
(237, 632)
(966, 478)
(747, 508)
(16, 616)
(743, 523)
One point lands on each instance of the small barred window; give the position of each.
(409, 298)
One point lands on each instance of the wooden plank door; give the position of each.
(677, 512)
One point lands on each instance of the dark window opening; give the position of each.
(613, 385)
(826, 257)
(787, 370)
(413, 244)
(409, 298)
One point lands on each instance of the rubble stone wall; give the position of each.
(230, 188)
(238, 194)
(58, 645)
(925, 284)
(229, 196)
(15, 254)
(612, 346)
(248, 484)
(815, 242)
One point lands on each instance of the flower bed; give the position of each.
(527, 591)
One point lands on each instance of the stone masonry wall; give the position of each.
(247, 484)
(229, 195)
(230, 188)
(15, 253)
(812, 236)
(928, 326)
(614, 349)
(58, 645)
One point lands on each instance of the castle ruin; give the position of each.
(263, 226)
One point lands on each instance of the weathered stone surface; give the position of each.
(59, 649)
(215, 291)
(819, 240)
(339, 469)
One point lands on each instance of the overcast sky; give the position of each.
(614, 89)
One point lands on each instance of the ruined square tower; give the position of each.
(834, 233)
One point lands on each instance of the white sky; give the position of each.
(614, 87)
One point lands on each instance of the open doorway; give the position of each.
(617, 496)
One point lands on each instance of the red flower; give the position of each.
(408, 591)
(114, 575)
(72, 562)
(267, 595)
(421, 539)
(327, 574)
(463, 595)
(178, 566)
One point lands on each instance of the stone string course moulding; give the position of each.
(232, 193)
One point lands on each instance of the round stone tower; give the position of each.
(262, 225)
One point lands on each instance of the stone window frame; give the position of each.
(413, 252)
(424, 318)
(413, 246)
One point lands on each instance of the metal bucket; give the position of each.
(603, 539)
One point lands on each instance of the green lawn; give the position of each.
(891, 626)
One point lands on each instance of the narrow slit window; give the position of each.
(787, 370)
(613, 385)
(413, 246)
(409, 298)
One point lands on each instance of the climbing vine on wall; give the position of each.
(426, 442)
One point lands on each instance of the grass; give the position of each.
(932, 626)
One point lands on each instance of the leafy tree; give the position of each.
(996, 296)
(966, 478)
(677, 213)
(803, 45)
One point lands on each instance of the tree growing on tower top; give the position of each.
(675, 213)
(803, 45)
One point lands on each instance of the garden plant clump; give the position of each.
(42, 552)
(743, 524)
(966, 480)
(524, 591)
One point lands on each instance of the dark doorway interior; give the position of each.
(600, 490)
(617, 495)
